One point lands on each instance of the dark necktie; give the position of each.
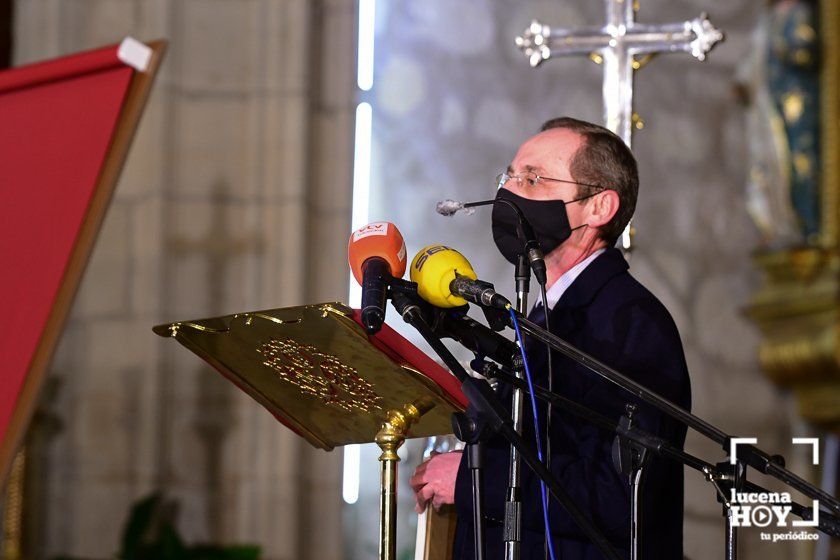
(537, 315)
(532, 346)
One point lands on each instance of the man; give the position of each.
(585, 173)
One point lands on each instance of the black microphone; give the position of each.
(478, 338)
(478, 292)
(454, 323)
(375, 274)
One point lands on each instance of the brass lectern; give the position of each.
(317, 371)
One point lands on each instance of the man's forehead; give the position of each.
(556, 138)
(550, 147)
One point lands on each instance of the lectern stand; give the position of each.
(317, 371)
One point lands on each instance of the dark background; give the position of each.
(5, 33)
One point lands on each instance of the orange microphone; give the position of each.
(376, 253)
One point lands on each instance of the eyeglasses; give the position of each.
(531, 179)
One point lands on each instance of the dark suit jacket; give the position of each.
(609, 315)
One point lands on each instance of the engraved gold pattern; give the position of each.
(174, 328)
(320, 375)
(230, 345)
(337, 309)
(249, 318)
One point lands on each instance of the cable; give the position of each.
(549, 408)
(543, 490)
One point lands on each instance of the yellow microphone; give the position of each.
(445, 278)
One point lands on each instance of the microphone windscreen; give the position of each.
(448, 207)
(434, 268)
(377, 239)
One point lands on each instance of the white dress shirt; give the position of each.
(562, 284)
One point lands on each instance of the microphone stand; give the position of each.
(472, 432)
(530, 257)
(720, 475)
(746, 456)
(730, 477)
(629, 459)
(486, 414)
(512, 529)
(466, 427)
(630, 453)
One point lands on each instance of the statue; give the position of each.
(781, 84)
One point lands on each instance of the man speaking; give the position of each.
(577, 184)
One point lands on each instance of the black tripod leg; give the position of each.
(475, 461)
(736, 476)
(636, 514)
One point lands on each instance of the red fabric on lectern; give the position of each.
(56, 123)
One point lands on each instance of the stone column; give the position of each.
(236, 196)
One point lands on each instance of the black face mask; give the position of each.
(548, 218)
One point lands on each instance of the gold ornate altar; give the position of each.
(798, 307)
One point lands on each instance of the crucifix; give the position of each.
(621, 46)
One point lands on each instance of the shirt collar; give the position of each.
(556, 291)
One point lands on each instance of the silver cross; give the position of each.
(616, 45)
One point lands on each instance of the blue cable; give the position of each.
(544, 491)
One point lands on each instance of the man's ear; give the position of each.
(602, 208)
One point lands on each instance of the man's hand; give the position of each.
(434, 480)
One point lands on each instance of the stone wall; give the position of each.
(238, 178)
